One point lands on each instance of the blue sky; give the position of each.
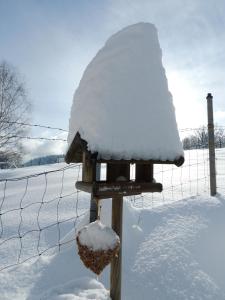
(51, 43)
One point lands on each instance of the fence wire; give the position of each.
(220, 170)
(34, 125)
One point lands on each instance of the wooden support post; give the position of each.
(116, 173)
(93, 210)
(93, 204)
(144, 172)
(116, 265)
(212, 164)
(89, 169)
(91, 173)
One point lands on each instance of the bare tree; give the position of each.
(14, 108)
(199, 139)
(202, 137)
(220, 137)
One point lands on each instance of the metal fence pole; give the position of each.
(212, 164)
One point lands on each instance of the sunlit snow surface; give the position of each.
(122, 107)
(171, 250)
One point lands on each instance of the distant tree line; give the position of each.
(199, 139)
(9, 159)
(45, 160)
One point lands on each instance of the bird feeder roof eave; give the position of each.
(79, 146)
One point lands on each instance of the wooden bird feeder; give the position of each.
(116, 185)
(125, 77)
(118, 182)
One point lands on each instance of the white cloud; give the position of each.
(189, 104)
(38, 148)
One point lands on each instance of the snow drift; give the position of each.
(122, 107)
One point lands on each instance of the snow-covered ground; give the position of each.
(171, 249)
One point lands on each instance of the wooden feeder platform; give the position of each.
(103, 189)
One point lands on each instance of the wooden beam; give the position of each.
(86, 187)
(178, 161)
(108, 190)
(104, 190)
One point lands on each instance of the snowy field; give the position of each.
(173, 245)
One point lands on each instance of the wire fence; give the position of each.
(33, 125)
(21, 137)
(189, 180)
(40, 212)
(36, 212)
(220, 170)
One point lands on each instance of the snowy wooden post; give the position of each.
(122, 114)
(212, 162)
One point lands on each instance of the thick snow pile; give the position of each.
(80, 289)
(122, 107)
(97, 236)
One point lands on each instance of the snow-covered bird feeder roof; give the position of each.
(122, 109)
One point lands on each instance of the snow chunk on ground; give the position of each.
(97, 236)
(80, 289)
(122, 107)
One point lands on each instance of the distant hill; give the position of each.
(45, 160)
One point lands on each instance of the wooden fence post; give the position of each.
(212, 163)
